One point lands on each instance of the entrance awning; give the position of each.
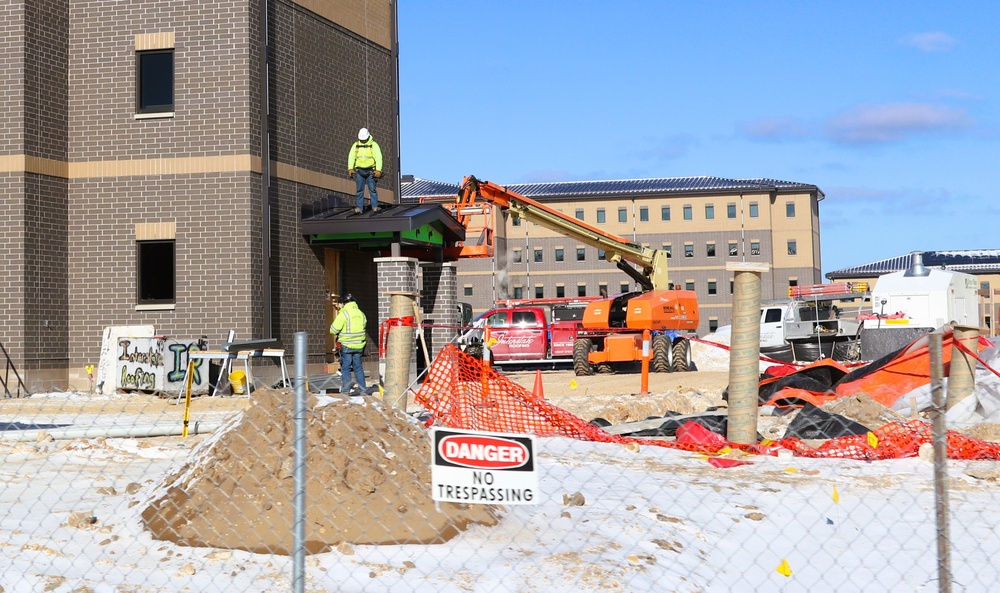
(422, 230)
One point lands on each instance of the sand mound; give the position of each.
(367, 481)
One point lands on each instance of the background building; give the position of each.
(982, 263)
(703, 222)
(153, 164)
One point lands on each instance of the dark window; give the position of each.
(665, 213)
(560, 291)
(600, 215)
(579, 213)
(156, 272)
(712, 287)
(730, 210)
(581, 254)
(669, 251)
(516, 222)
(602, 255)
(559, 254)
(772, 315)
(790, 209)
(622, 215)
(468, 291)
(753, 210)
(733, 249)
(688, 215)
(644, 214)
(731, 287)
(623, 287)
(709, 212)
(518, 292)
(710, 250)
(539, 292)
(155, 81)
(517, 256)
(581, 290)
(689, 285)
(538, 255)
(792, 249)
(755, 248)
(689, 251)
(796, 283)
(713, 324)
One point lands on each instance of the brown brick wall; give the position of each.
(46, 273)
(12, 296)
(46, 91)
(12, 40)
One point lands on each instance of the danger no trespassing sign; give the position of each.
(476, 467)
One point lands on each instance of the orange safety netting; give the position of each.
(459, 392)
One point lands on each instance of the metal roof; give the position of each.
(335, 216)
(422, 188)
(970, 261)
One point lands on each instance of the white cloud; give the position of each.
(933, 41)
(775, 128)
(876, 124)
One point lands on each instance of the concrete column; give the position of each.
(438, 301)
(962, 370)
(744, 355)
(399, 350)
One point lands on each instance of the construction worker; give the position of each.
(364, 163)
(349, 328)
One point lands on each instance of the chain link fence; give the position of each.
(288, 490)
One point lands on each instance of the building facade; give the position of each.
(702, 222)
(154, 158)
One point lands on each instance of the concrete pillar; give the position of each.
(438, 301)
(962, 371)
(744, 355)
(399, 349)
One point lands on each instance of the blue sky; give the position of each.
(890, 108)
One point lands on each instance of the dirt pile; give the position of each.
(367, 481)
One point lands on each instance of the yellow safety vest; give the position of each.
(349, 327)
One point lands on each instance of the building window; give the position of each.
(517, 256)
(157, 265)
(730, 210)
(754, 247)
(709, 212)
(539, 291)
(155, 81)
(668, 249)
(559, 253)
(731, 283)
(622, 215)
(712, 287)
(623, 287)
(579, 213)
(602, 255)
(581, 254)
(665, 213)
(518, 292)
(790, 209)
(560, 291)
(689, 285)
(753, 210)
(688, 215)
(689, 251)
(713, 324)
(516, 221)
(600, 216)
(792, 247)
(793, 282)
(581, 290)
(710, 250)
(644, 214)
(602, 289)
(985, 285)
(733, 249)
(467, 290)
(538, 256)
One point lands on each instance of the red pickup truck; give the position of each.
(524, 335)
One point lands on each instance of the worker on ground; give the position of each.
(349, 328)
(364, 163)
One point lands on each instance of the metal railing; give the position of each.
(20, 389)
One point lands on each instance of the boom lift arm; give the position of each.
(652, 263)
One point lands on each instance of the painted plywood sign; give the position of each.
(157, 364)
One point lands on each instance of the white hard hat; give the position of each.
(363, 134)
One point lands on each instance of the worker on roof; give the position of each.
(364, 163)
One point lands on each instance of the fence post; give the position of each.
(940, 461)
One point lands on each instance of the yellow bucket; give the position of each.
(238, 379)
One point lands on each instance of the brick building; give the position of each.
(703, 222)
(135, 192)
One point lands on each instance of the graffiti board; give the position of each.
(157, 364)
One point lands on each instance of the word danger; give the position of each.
(483, 452)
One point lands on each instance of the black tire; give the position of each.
(581, 349)
(475, 351)
(605, 368)
(682, 356)
(661, 354)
